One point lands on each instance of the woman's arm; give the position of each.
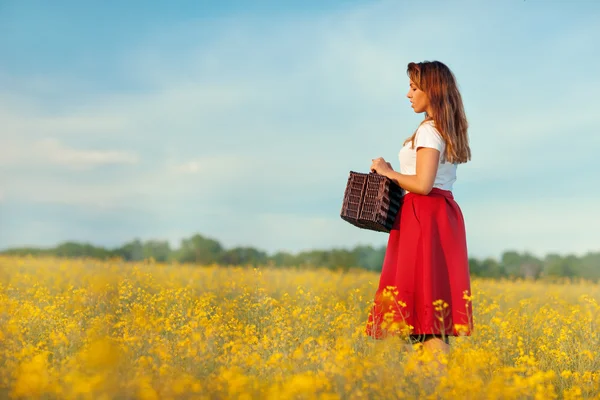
(426, 169)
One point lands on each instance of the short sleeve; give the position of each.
(428, 136)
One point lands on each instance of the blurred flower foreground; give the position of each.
(88, 329)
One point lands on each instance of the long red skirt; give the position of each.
(424, 286)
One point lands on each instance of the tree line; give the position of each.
(202, 250)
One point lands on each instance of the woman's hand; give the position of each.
(381, 166)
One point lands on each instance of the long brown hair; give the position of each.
(439, 84)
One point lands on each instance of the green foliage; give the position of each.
(281, 259)
(243, 256)
(74, 249)
(199, 250)
(368, 257)
(132, 251)
(202, 250)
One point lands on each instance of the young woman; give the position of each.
(424, 289)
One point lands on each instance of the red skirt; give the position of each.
(424, 287)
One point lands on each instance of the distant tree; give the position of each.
(28, 251)
(202, 250)
(243, 256)
(589, 266)
(284, 259)
(131, 251)
(558, 266)
(475, 268)
(511, 262)
(78, 250)
(368, 257)
(531, 267)
(199, 250)
(159, 250)
(491, 268)
(341, 259)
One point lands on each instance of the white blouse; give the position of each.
(428, 136)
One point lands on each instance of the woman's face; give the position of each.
(418, 99)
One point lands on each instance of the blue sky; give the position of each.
(241, 120)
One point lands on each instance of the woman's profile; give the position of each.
(424, 288)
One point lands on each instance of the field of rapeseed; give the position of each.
(103, 330)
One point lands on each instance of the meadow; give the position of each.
(94, 329)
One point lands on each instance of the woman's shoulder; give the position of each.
(428, 128)
(428, 136)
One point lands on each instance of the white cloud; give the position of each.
(58, 154)
(51, 152)
(32, 123)
(54, 189)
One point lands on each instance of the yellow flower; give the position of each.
(111, 329)
(33, 377)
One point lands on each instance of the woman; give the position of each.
(424, 288)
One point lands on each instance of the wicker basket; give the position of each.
(371, 201)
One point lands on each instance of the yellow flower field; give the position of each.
(101, 330)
